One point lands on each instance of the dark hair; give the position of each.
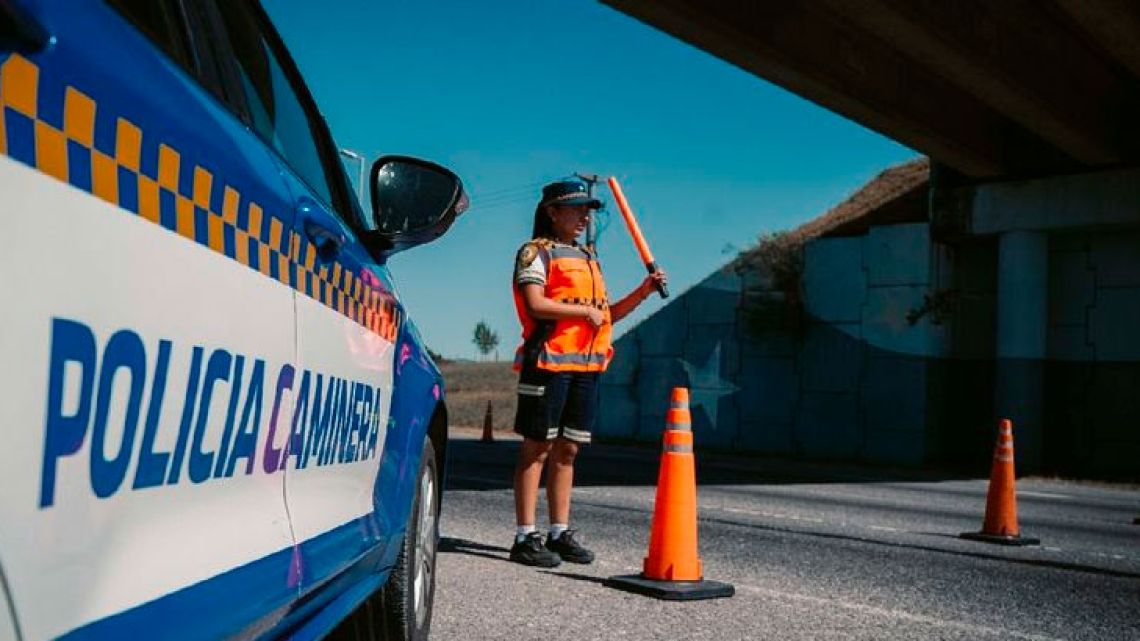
(543, 225)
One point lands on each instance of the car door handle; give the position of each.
(328, 242)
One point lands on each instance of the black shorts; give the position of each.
(557, 404)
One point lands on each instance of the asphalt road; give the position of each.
(814, 552)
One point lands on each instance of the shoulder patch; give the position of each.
(526, 256)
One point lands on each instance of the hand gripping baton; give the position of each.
(635, 232)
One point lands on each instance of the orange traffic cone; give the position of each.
(672, 570)
(1000, 523)
(673, 534)
(488, 425)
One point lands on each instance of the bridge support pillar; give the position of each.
(1022, 324)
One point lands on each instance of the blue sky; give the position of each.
(514, 94)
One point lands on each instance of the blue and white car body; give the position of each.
(215, 411)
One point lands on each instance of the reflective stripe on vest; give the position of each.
(573, 345)
(547, 358)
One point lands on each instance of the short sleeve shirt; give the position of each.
(534, 273)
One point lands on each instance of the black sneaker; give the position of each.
(529, 551)
(570, 550)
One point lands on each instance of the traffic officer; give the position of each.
(561, 301)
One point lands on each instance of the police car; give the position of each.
(216, 420)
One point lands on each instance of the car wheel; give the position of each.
(410, 589)
(401, 610)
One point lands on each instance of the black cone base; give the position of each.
(671, 590)
(1000, 539)
(1136, 521)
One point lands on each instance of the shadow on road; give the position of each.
(579, 577)
(489, 466)
(453, 545)
(974, 553)
(449, 544)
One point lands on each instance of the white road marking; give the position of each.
(831, 602)
(1045, 495)
(597, 492)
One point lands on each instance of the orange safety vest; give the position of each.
(568, 344)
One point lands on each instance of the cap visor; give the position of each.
(592, 203)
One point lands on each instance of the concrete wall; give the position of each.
(850, 384)
(877, 374)
(1092, 376)
(693, 342)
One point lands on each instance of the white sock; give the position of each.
(556, 530)
(523, 530)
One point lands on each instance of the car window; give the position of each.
(275, 106)
(162, 22)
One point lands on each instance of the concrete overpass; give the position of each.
(1030, 113)
(1012, 88)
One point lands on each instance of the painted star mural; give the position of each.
(706, 386)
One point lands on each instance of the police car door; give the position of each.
(342, 387)
(148, 332)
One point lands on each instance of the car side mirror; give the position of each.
(413, 202)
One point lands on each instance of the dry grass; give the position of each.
(890, 184)
(471, 385)
(883, 188)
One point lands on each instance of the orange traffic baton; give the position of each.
(1000, 522)
(672, 569)
(635, 232)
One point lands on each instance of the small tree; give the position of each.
(485, 339)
